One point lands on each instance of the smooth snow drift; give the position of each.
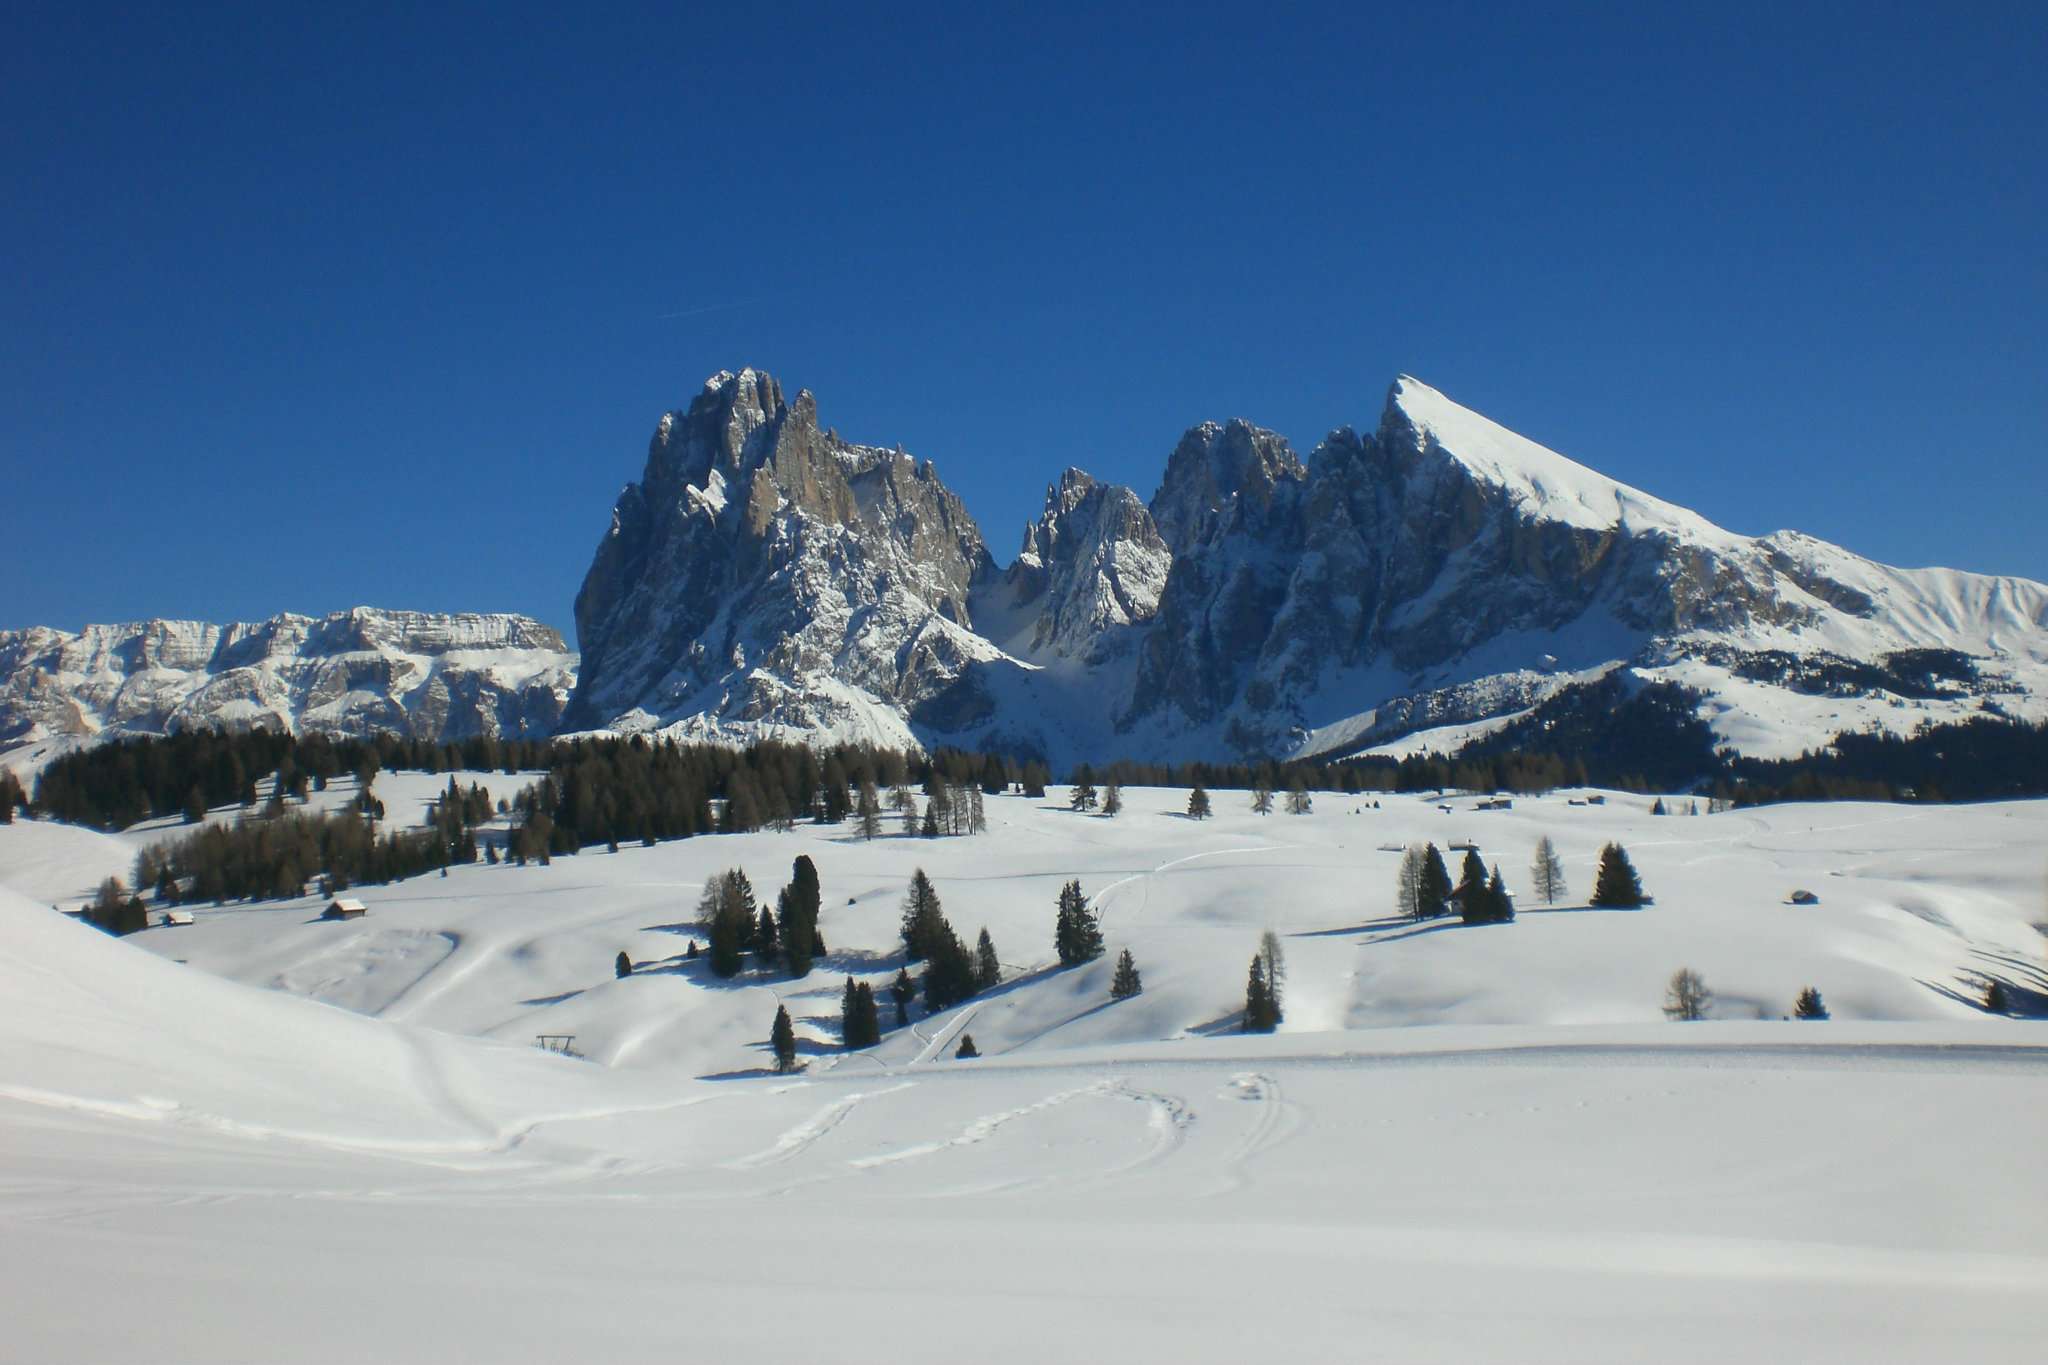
(1466, 1143)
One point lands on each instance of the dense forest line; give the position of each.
(613, 791)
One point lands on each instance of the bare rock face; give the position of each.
(357, 672)
(765, 577)
(1089, 575)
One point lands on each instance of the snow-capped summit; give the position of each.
(1543, 485)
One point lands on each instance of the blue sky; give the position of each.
(300, 311)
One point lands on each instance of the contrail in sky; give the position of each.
(707, 308)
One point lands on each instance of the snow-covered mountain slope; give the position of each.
(352, 673)
(337, 1141)
(1440, 571)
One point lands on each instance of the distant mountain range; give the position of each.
(1418, 586)
(358, 672)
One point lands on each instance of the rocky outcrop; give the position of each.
(357, 672)
(1090, 572)
(765, 577)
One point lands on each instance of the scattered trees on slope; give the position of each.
(1546, 873)
(1076, 935)
(1125, 983)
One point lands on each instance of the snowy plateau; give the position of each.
(265, 1136)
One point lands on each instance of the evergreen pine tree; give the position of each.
(1299, 802)
(622, 968)
(1658, 808)
(1433, 890)
(930, 828)
(988, 972)
(782, 1037)
(1198, 803)
(690, 953)
(921, 917)
(1262, 799)
(1082, 796)
(869, 1017)
(1809, 1005)
(766, 939)
(1996, 1000)
(1471, 892)
(1546, 872)
(1259, 1014)
(799, 906)
(1125, 983)
(901, 990)
(1500, 906)
(966, 1051)
(1077, 938)
(1616, 884)
(733, 922)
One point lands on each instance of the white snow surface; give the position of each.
(265, 1136)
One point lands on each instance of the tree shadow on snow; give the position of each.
(544, 1000)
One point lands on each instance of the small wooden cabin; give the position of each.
(341, 907)
(177, 918)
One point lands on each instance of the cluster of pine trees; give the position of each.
(737, 928)
(114, 785)
(258, 859)
(952, 974)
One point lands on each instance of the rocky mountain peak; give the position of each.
(1216, 465)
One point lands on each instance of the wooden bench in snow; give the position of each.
(341, 907)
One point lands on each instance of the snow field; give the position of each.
(1465, 1143)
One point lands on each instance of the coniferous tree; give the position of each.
(1433, 892)
(766, 940)
(622, 968)
(1299, 802)
(1112, 800)
(1616, 884)
(1260, 1016)
(1198, 803)
(1077, 937)
(921, 917)
(1500, 906)
(988, 971)
(782, 1038)
(733, 922)
(905, 806)
(949, 972)
(1125, 983)
(1262, 799)
(977, 818)
(690, 953)
(799, 905)
(1809, 1005)
(1996, 1000)
(901, 990)
(859, 1025)
(11, 795)
(930, 828)
(1658, 808)
(966, 1052)
(1082, 796)
(1546, 872)
(1471, 892)
(1687, 998)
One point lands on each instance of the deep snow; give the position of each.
(1466, 1143)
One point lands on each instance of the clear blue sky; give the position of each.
(302, 310)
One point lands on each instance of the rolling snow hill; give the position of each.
(335, 1140)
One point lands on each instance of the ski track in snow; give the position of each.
(803, 1135)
